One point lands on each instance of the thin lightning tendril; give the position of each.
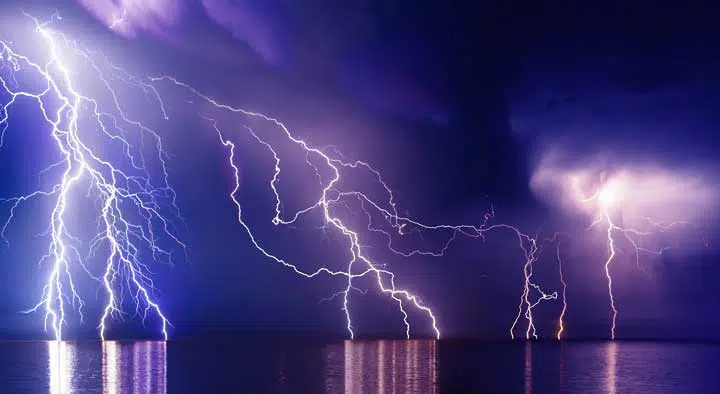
(130, 222)
(561, 319)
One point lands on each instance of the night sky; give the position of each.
(456, 106)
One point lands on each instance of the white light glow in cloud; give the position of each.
(636, 192)
(130, 17)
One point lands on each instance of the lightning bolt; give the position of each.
(126, 191)
(329, 197)
(561, 319)
(131, 201)
(527, 301)
(332, 195)
(611, 255)
(606, 199)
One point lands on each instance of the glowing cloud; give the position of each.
(636, 192)
(131, 17)
(631, 203)
(127, 201)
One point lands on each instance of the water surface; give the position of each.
(305, 366)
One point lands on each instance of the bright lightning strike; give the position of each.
(608, 201)
(329, 196)
(130, 200)
(607, 195)
(333, 195)
(527, 300)
(631, 206)
(561, 319)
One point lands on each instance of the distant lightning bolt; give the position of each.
(611, 256)
(130, 220)
(532, 254)
(608, 199)
(126, 193)
(605, 197)
(561, 319)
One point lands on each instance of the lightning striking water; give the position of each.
(333, 195)
(532, 254)
(608, 200)
(330, 195)
(129, 199)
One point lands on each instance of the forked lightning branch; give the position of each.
(104, 166)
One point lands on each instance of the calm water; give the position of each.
(263, 366)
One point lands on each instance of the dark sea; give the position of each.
(311, 366)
